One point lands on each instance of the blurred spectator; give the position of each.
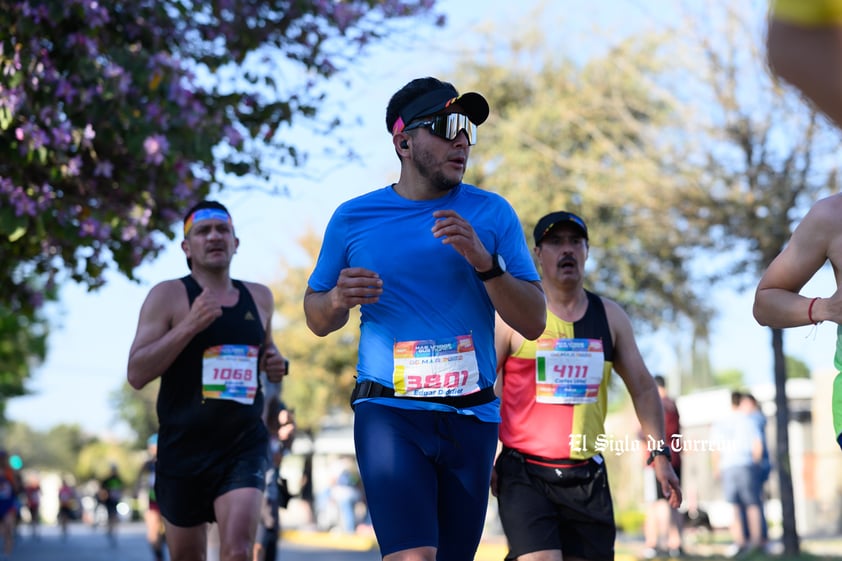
(109, 494)
(762, 469)
(152, 515)
(285, 426)
(281, 424)
(272, 403)
(738, 452)
(306, 493)
(345, 492)
(662, 527)
(32, 492)
(9, 490)
(68, 505)
(275, 496)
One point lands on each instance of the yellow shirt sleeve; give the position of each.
(810, 13)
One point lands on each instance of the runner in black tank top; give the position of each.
(209, 338)
(197, 433)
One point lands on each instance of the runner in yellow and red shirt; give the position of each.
(550, 479)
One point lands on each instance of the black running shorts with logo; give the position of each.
(540, 512)
(188, 501)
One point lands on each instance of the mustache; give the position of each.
(567, 260)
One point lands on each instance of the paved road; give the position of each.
(85, 544)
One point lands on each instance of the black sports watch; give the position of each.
(498, 267)
(662, 451)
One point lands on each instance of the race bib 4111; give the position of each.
(568, 371)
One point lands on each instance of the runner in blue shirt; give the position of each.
(428, 260)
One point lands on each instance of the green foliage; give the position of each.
(23, 343)
(95, 460)
(630, 522)
(765, 156)
(68, 450)
(595, 138)
(137, 409)
(56, 449)
(796, 368)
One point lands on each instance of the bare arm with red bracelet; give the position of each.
(777, 302)
(817, 239)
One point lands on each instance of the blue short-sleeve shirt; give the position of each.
(429, 290)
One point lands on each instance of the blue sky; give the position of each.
(92, 332)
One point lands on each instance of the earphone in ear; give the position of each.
(404, 145)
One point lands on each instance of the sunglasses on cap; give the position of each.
(448, 126)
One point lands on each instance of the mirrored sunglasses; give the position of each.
(448, 126)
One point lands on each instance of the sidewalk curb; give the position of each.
(348, 542)
(487, 551)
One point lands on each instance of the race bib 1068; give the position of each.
(230, 372)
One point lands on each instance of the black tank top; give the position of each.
(196, 433)
(594, 325)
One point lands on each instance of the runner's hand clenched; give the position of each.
(274, 364)
(455, 231)
(204, 311)
(356, 286)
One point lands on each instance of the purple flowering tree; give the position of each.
(116, 116)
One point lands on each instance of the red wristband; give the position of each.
(810, 311)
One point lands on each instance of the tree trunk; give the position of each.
(790, 532)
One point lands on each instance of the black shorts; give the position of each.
(188, 501)
(540, 511)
